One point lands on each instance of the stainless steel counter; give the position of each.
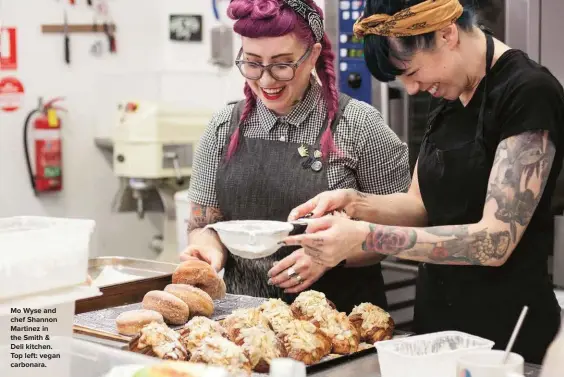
(366, 366)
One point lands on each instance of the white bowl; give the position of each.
(252, 239)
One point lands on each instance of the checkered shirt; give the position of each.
(375, 159)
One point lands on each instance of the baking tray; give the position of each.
(101, 323)
(124, 280)
(341, 359)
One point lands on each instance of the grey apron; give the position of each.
(266, 179)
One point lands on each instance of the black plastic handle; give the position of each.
(67, 49)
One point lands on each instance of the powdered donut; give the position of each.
(200, 275)
(132, 321)
(199, 302)
(174, 310)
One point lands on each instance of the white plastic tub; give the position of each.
(78, 358)
(42, 253)
(429, 355)
(182, 210)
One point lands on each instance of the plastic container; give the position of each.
(43, 253)
(429, 355)
(252, 239)
(182, 209)
(78, 358)
(553, 363)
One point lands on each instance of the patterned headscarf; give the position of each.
(425, 17)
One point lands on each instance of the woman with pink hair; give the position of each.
(292, 137)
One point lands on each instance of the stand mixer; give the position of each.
(153, 149)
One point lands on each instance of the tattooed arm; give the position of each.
(205, 241)
(517, 181)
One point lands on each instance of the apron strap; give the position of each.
(489, 59)
(235, 116)
(344, 100)
(234, 121)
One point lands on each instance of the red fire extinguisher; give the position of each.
(47, 147)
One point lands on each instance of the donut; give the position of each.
(200, 275)
(174, 310)
(199, 302)
(132, 321)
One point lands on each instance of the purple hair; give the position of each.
(273, 18)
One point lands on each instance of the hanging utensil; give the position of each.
(111, 38)
(67, 39)
(96, 48)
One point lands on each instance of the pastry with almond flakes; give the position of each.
(344, 336)
(159, 340)
(372, 323)
(261, 346)
(305, 342)
(219, 351)
(308, 303)
(243, 319)
(197, 329)
(278, 313)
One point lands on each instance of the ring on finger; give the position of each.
(298, 278)
(291, 272)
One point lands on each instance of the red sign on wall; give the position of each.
(11, 94)
(8, 51)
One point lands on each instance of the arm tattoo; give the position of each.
(451, 244)
(200, 216)
(389, 240)
(476, 248)
(519, 175)
(518, 159)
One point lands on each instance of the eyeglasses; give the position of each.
(278, 71)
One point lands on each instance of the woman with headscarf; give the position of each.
(292, 137)
(477, 215)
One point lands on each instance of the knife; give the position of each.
(67, 40)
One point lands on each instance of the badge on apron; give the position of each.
(311, 162)
(316, 165)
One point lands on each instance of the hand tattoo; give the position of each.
(517, 160)
(200, 216)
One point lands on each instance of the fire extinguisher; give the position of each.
(47, 147)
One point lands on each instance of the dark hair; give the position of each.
(378, 53)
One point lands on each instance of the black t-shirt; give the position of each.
(522, 96)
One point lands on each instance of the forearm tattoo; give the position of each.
(200, 216)
(455, 244)
(520, 170)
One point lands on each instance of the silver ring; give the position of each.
(298, 278)
(291, 272)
